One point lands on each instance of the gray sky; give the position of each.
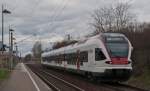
(51, 20)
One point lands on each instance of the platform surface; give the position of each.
(23, 79)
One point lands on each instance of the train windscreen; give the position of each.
(117, 46)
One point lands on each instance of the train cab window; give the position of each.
(99, 55)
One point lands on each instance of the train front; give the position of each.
(119, 50)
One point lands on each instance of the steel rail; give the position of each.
(44, 79)
(72, 85)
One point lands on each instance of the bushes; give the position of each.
(3, 74)
(141, 61)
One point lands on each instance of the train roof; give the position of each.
(83, 42)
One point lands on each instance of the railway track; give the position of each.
(60, 81)
(57, 84)
(122, 87)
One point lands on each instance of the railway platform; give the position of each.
(23, 79)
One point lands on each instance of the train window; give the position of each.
(63, 57)
(71, 58)
(49, 58)
(52, 58)
(44, 59)
(99, 54)
(83, 56)
(66, 57)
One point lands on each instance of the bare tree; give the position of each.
(27, 57)
(123, 16)
(103, 19)
(112, 18)
(37, 50)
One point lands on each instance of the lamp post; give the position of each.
(11, 39)
(4, 11)
(11, 47)
(16, 51)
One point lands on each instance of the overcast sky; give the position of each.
(51, 20)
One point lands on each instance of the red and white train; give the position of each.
(105, 56)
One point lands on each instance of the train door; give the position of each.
(99, 57)
(91, 57)
(78, 59)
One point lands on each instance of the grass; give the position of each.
(4, 73)
(142, 81)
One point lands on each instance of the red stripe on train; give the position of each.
(118, 61)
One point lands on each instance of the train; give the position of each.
(106, 57)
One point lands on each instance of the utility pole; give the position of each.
(20, 56)
(9, 39)
(4, 11)
(11, 50)
(16, 50)
(69, 37)
(11, 47)
(16, 54)
(2, 29)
